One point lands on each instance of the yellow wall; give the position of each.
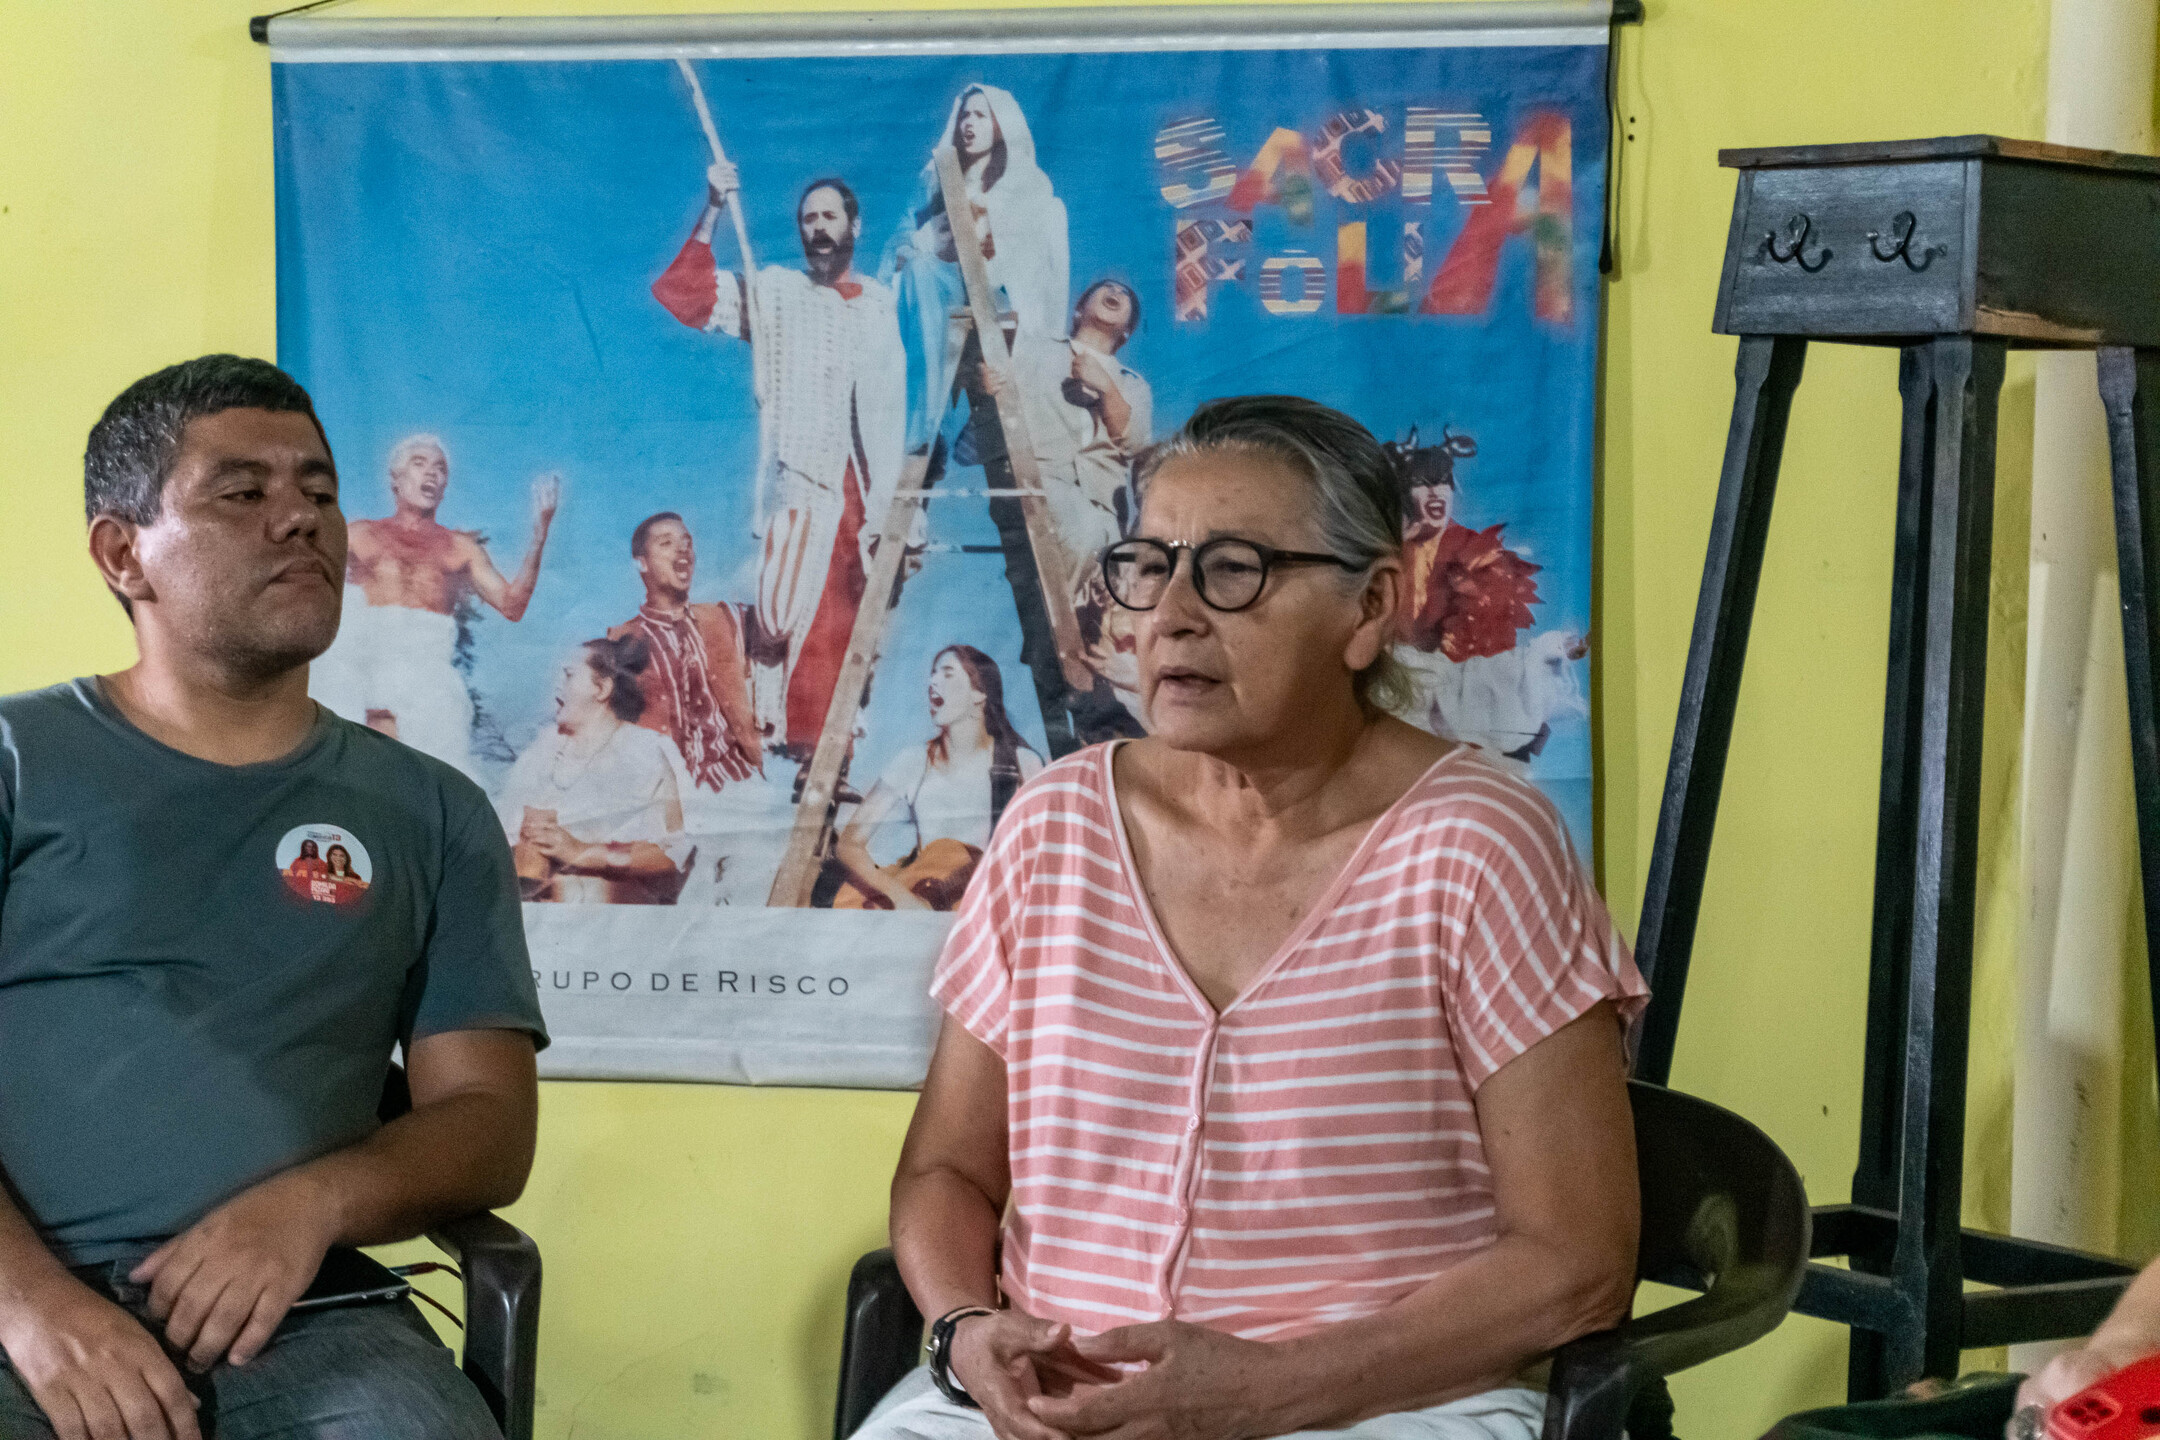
(697, 1238)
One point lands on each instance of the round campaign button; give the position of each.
(325, 865)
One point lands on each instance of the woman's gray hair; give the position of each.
(1358, 493)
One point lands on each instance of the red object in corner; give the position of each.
(2125, 1406)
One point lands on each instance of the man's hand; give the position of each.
(546, 495)
(95, 1372)
(1199, 1384)
(1010, 1360)
(1089, 370)
(222, 1286)
(722, 179)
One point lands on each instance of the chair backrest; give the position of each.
(1722, 1204)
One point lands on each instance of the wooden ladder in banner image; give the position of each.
(1051, 562)
(813, 810)
(799, 864)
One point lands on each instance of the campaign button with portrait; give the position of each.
(324, 865)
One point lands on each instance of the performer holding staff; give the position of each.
(831, 383)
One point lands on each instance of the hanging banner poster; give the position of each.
(657, 360)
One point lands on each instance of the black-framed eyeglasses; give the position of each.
(1228, 573)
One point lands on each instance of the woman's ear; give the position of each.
(1379, 603)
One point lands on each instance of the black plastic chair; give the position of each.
(501, 1268)
(1723, 1212)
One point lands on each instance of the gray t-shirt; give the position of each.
(203, 967)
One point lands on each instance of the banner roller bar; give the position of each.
(291, 29)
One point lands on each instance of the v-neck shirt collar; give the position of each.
(1299, 935)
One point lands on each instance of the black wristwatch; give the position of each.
(941, 1331)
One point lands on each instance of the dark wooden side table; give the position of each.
(1954, 250)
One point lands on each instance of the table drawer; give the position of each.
(1850, 250)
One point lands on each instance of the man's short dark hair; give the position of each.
(133, 445)
(639, 536)
(831, 182)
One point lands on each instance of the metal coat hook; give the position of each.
(1902, 225)
(1797, 230)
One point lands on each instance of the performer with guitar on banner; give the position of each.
(831, 383)
(952, 790)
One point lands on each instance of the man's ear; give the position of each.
(854, 228)
(113, 551)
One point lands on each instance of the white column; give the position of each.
(2074, 810)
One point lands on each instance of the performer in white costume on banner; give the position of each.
(1025, 248)
(1088, 413)
(391, 666)
(593, 809)
(831, 383)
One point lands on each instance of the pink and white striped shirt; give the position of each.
(1311, 1153)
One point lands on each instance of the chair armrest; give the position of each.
(1596, 1377)
(881, 1341)
(502, 1313)
(1594, 1380)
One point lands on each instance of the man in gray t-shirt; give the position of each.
(220, 909)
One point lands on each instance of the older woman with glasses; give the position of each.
(1281, 1084)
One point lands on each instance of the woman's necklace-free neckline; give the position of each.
(555, 766)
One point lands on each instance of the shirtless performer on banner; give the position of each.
(831, 382)
(390, 667)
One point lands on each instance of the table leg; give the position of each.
(1875, 1177)
(1927, 1267)
(1766, 373)
(2130, 391)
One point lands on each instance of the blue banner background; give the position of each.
(466, 248)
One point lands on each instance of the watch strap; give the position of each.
(941, 1333)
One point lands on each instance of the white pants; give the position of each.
(389, 657)
(916, 1411)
